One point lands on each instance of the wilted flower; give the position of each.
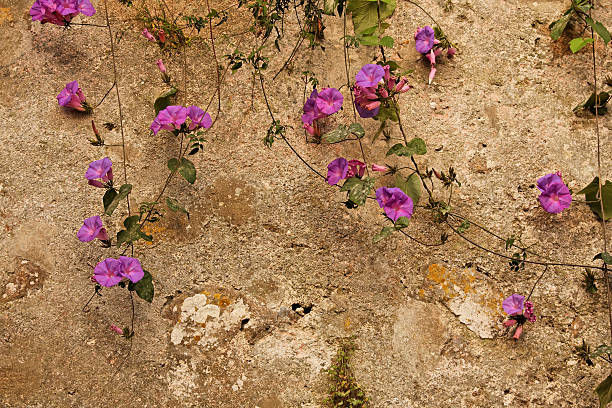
(424, 39)
(72, 97)
(100, 169)
(91, 229)
(131, 268)
(368, 99)
(108, 272)
(60, 12)
(116, 329)
(555, 196)
(394, 202)
(146, 34)
(529, 312)
(355, 168)
(337, 170)
(451, 52)
(162, 36)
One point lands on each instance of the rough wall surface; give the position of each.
(255, 289)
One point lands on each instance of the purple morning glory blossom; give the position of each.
(60, 12)
(108, 272)
(394, 202)
(329, 101)
(72, 97)
(92, 228)
(131, 268)
(513, 305)
(369, 75)
(99, 169)
(555, 196)
(337, 170)
(311, 112)
(170, 118)
(365, 113)
(424, 38)
(199, 118)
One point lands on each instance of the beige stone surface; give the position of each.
(282, 268)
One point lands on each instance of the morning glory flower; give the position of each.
(92, 228)
(99, 169)
(329, 101)
(369, 75)
(394, 202)
(146, 34)
(170, 118)
(555, 196)
(160, 65)
(72, 97)
(311, 112)
(424, 39)
(377, 167)
(85, 7)
(107, 272)
(131, 268)
(355, 168)
(337, 170)
(60, 12)
(199, 118)
(513, 304)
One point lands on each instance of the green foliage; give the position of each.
(150, 206)
(599, 28)
(578, 7)
(344, 392)
(384, 233)
(199, 23)
(387, 113)
(341, 133)
(588, 281)
(144, 287)
(365, 16)
(591, 194)
(164, 100)
(557, 27)
(112, 199)
(358, 189)
(604, 391)
(605, 257)
(275, 131)
(132, 231)
(465, 225)
(127, 3)
(579, 43)
(415, 146)
(185, 168)
(174, 206)
(411, 186)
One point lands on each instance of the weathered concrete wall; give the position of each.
(266, 237)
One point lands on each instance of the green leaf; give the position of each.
(132, 231)
(401, 222)
(371, 40)
(579, 43)
(386, 112)
(465, 225)
(590, 103)
(124, 190)
(591, 192)
(173, 164)
(337, 135)
(108, 198)
(329, 7)
(357, 130)
(411, 186)
(604, 256)
(600, 29)
(386, 41)
(384, 233)
(144, 287)
(358, 189)
(164, 100)
(557, 28)
(415, 146)
(365, 14)
(604, 391)
(187, 170)
(174, 205)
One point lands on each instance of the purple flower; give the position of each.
(131, 268)
(513, 305)
(66, 7)
(160, 65)
(199, 118)
(92, 228)
(99, 169)
(116, 329)
(369, 75)
(170, 118)
(365, 113)
(394, 202)
(337, 170)
(555, 196)
(366, 101)
(72, 96)
(329, 101)
(451, 52)
(377, 167)
(355, 168)
(311, 112)
(424, 38)
(85, 7)
(107, 272)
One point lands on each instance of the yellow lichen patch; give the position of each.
(422, 293)
(5, 15)
(453, 282)
(219, 300)
(153, 229)
(347, 324)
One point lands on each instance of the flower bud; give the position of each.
(146, 34)
(509, 323)
(116, 329)
(376, 167)
(160, 65)
(518, 332)
(451, 52)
